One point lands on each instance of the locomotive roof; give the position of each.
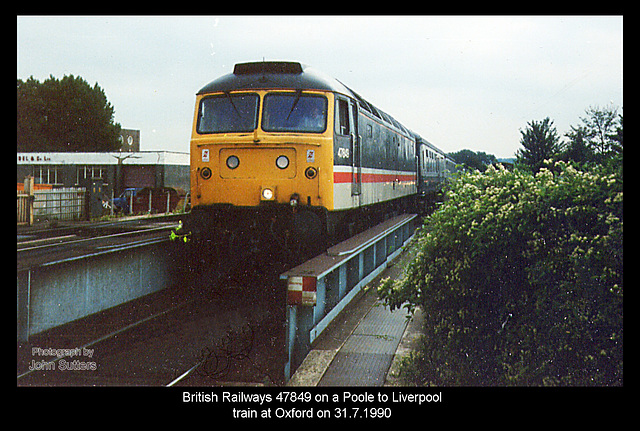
(267, 75)
(274, 75)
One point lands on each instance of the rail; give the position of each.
(320, 288)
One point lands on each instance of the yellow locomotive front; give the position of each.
(253, 148)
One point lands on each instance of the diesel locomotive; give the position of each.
(285, 158)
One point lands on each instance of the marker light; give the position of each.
(205, 173)
(310, 172)
(294, 199)
(233, 162)
(282, 162)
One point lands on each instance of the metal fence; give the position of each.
(60, 204)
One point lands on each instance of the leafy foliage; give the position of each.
(64, 115)
(520, 278)
(598, 139)
(472, 160)
(540, 142)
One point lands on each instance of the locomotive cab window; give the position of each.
(228, 113)
(294, 112)
(342, 117)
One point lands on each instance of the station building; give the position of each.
(118, 170)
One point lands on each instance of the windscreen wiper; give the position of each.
(295, 103)
(235, 108)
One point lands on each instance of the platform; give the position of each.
(319, 289)
(364, 343)
(76, 270)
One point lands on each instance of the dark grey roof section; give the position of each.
(267, 66)
(269, 75)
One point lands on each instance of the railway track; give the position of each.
(51, 246)
(74, 240)
(195, 333)
(183, 339)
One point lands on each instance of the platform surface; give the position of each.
(366, 356)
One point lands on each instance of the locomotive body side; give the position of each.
(374, 160)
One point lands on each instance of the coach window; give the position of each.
(342, 117)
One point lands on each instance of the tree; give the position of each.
(598, 139)
(603, 132)
(472, 160)
(616, 139)
(601, 126)
(64, 115)
(577, 149)
(540, 141)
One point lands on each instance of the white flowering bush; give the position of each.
(520, 278)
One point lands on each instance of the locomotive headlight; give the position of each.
(282, 162)
(233, 162)
(267, 194)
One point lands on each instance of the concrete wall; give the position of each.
(53, 295)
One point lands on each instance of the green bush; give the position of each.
(520, 278)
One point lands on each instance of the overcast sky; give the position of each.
(460, 82)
